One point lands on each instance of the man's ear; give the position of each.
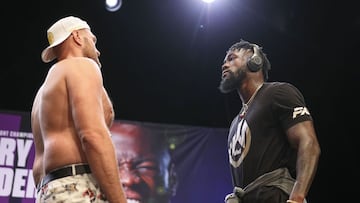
(76, 36)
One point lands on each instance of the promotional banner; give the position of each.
(16, 158)
(158, 163)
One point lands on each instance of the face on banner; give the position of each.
(144, 162)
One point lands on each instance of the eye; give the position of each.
(147, 168)
(231, 57)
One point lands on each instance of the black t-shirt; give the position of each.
(257, 142)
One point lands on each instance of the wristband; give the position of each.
(291, 201)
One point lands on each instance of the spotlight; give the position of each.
(113, 5)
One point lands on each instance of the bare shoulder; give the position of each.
(76, 63)
(78, 67)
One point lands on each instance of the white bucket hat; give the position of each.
(58, 32)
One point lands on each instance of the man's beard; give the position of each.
(231, 81)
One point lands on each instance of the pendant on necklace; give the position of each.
(246, 106)
(243, 111)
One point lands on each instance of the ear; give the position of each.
(76, 35)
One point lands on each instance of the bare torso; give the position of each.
(56, 139)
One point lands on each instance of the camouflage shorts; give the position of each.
(79, 188)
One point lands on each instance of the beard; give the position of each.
(232, 81)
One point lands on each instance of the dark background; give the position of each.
(161, 63)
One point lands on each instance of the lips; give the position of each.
(132, 201)
(224, 73)
(132, 196)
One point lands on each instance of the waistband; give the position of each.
(70, 170)
(279, 178)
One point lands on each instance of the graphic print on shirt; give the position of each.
(300, 111)
(239, 144)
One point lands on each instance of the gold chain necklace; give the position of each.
(246, 105)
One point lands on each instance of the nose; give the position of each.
(128, 177)
(98, 52)
(225, 65)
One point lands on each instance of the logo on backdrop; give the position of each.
(16, 159)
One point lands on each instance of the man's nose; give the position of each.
(225, 65)
(128, 176)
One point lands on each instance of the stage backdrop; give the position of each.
(199, 154)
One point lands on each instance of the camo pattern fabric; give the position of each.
(79, 188)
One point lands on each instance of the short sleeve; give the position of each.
(290, 106)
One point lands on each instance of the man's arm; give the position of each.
(302, 136)
(85, 88)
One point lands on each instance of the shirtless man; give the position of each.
(75, 158)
